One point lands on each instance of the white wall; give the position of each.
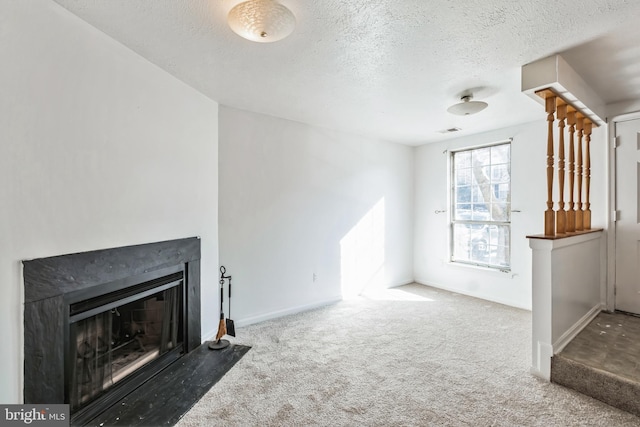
(528, 180)
(297, 200)
(98, 148)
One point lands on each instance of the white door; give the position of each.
(628, 223)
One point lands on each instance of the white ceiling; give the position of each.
(385, 69)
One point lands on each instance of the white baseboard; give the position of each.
(402, 283)
(287, 311)
(571, 333)
(274, 314)
(472, 294)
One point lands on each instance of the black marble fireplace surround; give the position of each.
(53, 284)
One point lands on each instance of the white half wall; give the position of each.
(99, 148)
(528, 195)
(309, 215)
(568, 284)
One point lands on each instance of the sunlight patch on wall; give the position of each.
(362, 252)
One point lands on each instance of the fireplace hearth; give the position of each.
(99, 324)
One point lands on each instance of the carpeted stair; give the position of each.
(603, 361)
(610, 388)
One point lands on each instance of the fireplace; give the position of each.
(99, 324)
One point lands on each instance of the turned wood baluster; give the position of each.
(571, 213)
(578, 209)
(587, 174)
(549, 214)
(561, 215)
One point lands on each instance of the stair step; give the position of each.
(612, 389)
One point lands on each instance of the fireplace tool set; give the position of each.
(226, 325)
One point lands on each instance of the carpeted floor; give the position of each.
(409, 356)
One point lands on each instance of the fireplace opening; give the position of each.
(115, 335)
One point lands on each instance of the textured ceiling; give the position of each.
(385, 69)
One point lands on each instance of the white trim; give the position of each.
(555, 73)
(291, 310)
(399, 283)
(287, 311)
(611, 237)
(480, 267)
(571, 333)
(625, 117)
(551, 244)
(544, 352)
(478, 295)
(481, 145)
(610, 296)
(452, 203)
(274, 315)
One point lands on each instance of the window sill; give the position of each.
(481, 267)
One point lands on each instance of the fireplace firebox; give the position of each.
(99, 324)
(115, 335)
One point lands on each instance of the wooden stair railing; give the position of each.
(575, 215)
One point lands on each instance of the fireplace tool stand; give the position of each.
(225, 326)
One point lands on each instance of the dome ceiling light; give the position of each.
(467, 106)
(261, 21)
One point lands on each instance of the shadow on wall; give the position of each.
(362, 253)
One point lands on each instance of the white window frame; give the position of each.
(475, 223)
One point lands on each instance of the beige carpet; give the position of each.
(409, 356)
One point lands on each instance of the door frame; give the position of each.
(610, 296)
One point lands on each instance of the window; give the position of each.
(481, 206)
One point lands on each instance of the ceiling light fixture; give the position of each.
(262, 21)
(467, 106)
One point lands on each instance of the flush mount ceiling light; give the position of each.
(467, 106)
(262, 21)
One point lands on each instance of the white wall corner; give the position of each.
(555, 73)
